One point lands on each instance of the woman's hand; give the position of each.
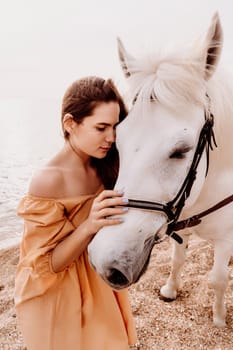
(106, 210)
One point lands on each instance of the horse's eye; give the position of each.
(179, 153)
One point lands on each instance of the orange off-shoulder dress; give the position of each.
(73, 309)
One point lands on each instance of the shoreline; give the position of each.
(10, 243)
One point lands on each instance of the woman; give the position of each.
(61, 303)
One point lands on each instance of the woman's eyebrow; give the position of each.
(106, 124)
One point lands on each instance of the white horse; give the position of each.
(168, 156)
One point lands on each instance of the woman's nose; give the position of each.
(110, 137)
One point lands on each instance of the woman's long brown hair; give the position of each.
(80, 100)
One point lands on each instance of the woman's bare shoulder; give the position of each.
(47, 182)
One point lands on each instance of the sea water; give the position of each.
(30, 133)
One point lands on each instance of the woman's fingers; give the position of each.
(107, 209)
(109, 199)
(108, 194)
(112, 221)
(112, 202)
(112, 211)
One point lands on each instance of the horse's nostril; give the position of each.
(116, 277)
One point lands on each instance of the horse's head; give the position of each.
(157, 143)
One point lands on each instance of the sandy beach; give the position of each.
(10, 338)
(184, 324)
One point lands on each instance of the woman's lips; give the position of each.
(106, 149)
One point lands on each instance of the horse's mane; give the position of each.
(170, 78)
(175, 80)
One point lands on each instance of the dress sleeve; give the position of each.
(45, 225)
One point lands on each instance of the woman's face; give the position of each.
(94, 136)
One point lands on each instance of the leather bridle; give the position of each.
(173, 209)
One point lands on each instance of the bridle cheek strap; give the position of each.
(204, 143)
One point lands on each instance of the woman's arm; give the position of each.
(49, 183)
(103, 208)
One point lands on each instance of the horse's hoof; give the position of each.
(219, 322)
(167, 294)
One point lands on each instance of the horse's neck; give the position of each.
(221, 97)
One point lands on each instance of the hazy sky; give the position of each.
(46, 44)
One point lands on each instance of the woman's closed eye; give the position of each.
(101, 128)
(104, 128)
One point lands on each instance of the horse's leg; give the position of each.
(218, 279)
(169, 290)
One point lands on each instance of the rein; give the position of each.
(173, 208)
(196, 219)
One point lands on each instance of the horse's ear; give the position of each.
(125, 58)
(213, 46)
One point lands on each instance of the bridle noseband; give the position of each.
(173, 208)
